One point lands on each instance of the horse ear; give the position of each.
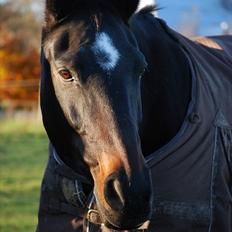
(56, 10)
(125, 7)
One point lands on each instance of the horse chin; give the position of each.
(120, 227)
(117, 222)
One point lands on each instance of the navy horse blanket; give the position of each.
(192, 174)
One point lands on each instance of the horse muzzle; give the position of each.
(126, 203)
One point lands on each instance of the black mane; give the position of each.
(149, 9)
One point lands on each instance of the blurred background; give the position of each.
(23, 143)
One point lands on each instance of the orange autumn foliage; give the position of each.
(19, 72)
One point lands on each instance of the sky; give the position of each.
(205, 15)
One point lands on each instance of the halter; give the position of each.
(72, 186)
(75, 195)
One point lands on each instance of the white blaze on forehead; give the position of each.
(106, 53)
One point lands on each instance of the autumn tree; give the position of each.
(19, 51)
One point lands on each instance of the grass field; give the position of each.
(23, 154)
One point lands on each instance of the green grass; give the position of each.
(23, 155)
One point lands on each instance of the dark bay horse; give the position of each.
(119, 94)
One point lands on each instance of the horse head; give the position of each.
(91, 102)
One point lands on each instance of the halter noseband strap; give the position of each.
(72, 186)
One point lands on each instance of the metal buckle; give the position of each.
(94, 217)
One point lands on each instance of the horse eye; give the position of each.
(66, 75)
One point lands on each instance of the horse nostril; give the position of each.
(114, 195)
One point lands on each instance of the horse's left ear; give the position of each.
(56, 10)
(125, 8)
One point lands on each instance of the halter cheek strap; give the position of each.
(78, 202)
(72, 182)
(72, 187)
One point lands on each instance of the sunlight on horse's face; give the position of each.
(96, 76)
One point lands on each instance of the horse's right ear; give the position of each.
(56, 10)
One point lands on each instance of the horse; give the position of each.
(139, 122)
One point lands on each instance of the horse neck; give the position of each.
(166, 86)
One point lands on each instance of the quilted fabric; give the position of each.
(192, 174)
